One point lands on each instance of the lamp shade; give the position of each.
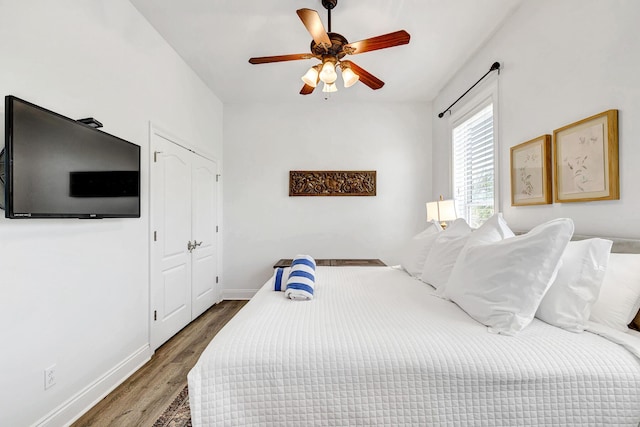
(328, 73)
(349, 77)
(311, 77)
(432, 211)
(330, 87)
(447, 210)
(441, 210)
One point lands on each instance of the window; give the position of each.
(473, 150)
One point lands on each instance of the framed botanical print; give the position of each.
(586, 159)
(531, 172)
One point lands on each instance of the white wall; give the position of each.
(262, 143)
(76, 293)
(562, 61)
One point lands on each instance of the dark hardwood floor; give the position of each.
(142, 398)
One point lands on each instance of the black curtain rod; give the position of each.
(494, 66)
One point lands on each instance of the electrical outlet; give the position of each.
(50, 377)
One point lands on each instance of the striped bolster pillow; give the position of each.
(280, 277)
(301, 278)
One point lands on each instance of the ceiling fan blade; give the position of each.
(380, 42)
(365, 77)
(312, 21)
(280, 58)
(306, 89)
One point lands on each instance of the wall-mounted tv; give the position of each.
(57, 167)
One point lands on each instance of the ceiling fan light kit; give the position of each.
(329, 88)
(348, 76)
(312, 76)
(330, 48)
(328, 73)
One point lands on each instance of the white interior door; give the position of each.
(184, 246)
(204, 258)
(171, 225)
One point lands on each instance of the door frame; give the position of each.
(160, 131)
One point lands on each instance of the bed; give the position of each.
(376, 346)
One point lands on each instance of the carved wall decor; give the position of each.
(332, 183)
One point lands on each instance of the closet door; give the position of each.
(184, 246)
(204, 257)
(171, 260)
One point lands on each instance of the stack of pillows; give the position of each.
(298, 281)
(504, 281)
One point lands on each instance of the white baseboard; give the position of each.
(238, 294)
(76, 406)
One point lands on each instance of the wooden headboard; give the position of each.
(621, 246)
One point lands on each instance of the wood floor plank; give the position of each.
(142, 398)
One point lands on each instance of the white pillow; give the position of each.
(619, 299)
(444, 253)
(501, 284)
(493, 230)
(416, 250)
(567, 304)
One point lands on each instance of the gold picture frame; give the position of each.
(586, 159)
(531, 172)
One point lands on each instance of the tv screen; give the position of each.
(57, 167)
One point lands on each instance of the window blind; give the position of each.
(473, 167)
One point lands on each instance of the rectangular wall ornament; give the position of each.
(332, 183)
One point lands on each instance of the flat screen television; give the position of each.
(57, 167)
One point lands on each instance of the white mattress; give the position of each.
(376, 347)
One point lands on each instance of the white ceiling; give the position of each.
(217, 37)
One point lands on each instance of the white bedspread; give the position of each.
(376, 347)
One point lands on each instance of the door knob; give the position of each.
(192, 246)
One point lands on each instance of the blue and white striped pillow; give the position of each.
(301, 278)
(280, 277)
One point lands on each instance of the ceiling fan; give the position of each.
(331, 48)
